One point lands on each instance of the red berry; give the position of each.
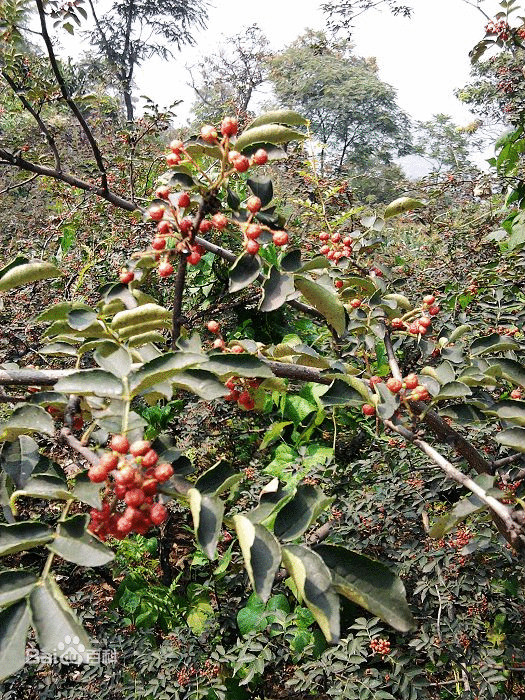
(356, 303)
(158, 243)
(237, 349)
(163, 472)
(232, 155)
(139, 448)
(126, 276)
(515, 394)
(429, 299)
(280, 238)
(97, 474)
(164, 227)
(368, 410)
(109, 461)
(119, 443)
(219, 221)
(172, 159)
(150, 487)
(425, 321)
(336, 238)
(253, 204)
(229, 126)
(214, 326)
(205, 226)
(252, 247)
(397, 324)
(194, 258)
(208, 133)
(324, 236)
(395, 385)
(375, 380)
(230, 384)
(246, 401)
(241, 164)
(183, 200)
(150, 459)
(233, 395)
(434, 310)
(219, 344)
(156, 213)
(260, 157)
(165, 269)
(411, 381)
(124, 526)
(185, 225)
(339, 284)
(163, 192)
(134, 498)
(158, 513)
(176, 145)
(253, 231)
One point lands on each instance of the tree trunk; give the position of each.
(129, 104)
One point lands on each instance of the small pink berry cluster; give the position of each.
(380, 646)
(335, 246)
(420, 325)
(500, 28)
(132, 475)
(240, 391)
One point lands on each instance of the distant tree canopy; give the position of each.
(445, 144)
(128, 32)
(225, 81)
(351, 111)
(340, 15)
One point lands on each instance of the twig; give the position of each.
(18, 184)
(88, 454)
(70, 102)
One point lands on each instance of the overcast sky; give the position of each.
(425, 58)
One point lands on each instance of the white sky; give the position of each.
(425, 58)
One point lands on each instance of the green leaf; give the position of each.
(462, 509)
(80, 319)
(218, 479)
(513, 437)
(46, 486)
(368, 583)
(340, 393)
(511, 370)
(26, 418)
(141, 315)
(21, 536)
(389, 402)
(17, 275)
(401, 205)
(241, 365)
(273, 496)
(86, 491)
(273, 432)
(493, 343)
(207, 515)
(180, 178)
(201, 383)
(325, 301)
(261, 553)
(252, 618)
(314, 585)
(261, 187)
(87, 382)
(19, 458)
(452, 390)
(464, 414)
(14, 626)
(244, 271)
(15, 584)
(277, 288)
(300, 512)
(73, 543)
(59, 349)
(56, 626)
(512, 411)
(160, 369)
(267, 133)
(279, 116)
(113, 358)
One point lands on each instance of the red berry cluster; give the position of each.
(461, 539)
(400, 386)
(240, 391)
(501, 28)
(380, 646)
(335, 246)
(420, 325)
(516, 394)
(132, 475)
(480, 608)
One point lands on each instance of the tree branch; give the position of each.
(70, 102)
(41, 125)
(67, 436)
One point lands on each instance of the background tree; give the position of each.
(446, 145)
(129, 32)
(351, 111)
(341, 15)
(225, 82)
